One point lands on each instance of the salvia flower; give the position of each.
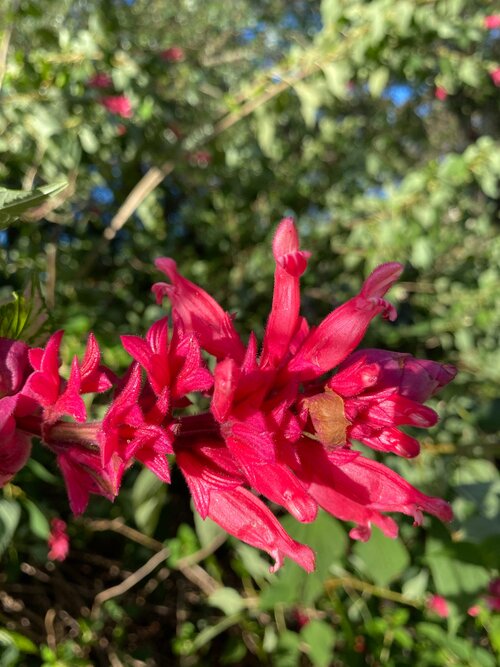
(117, 104)
(15, 446)
(440, 93)
(174, 54)
(58, 540)
(495, 76)
(438, 605)
(37, 398)
(100, 80)
(284, 432)
(492, 22)
(282, 420)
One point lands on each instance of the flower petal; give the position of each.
(341, 331)
(243, 515)
(199, 313)
(290, 265)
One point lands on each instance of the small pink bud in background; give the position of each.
(438, 605)
(493, 599)
(495, 76)
(118, 104)
(301, 617)
(492, 22)
(440, 93)
(175, 54)
(58, 540)
(200, 158)
(100, 80)
(474, 610)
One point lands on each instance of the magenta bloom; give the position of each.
(493, 597)
(15, 446)
(100, 80)
(139, 423)
(58, 540)
(118, 105)
(438, 605)
(495, 76)
(440, 93)
(34, 397)
(492, 22)
(280, 429)
(174, 54)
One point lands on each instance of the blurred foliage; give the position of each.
(376, 124)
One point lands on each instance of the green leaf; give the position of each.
(148, 498)
(416, 586)
(310, 100)
(227, 600)
(38, 522)
(331, 10)
(22, 643)
(206, 529)
(457, 578)
(287, 653)
(15, 202)
(26, 315)
(292, 584)
(88, 140)
(422, 254)
(381, 559)
(337, 75)
(320, 639)
(378, 81)
(10, 513)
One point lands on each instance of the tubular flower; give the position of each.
(281, 430)
(139, 423)
(33, 398)
(15, 446)
(58, 540)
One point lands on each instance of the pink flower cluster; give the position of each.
(58, 540)
(173, 54)
(492, 22)
(118, 105)
(281, 421)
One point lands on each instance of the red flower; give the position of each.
(42, 397)
(118, 104)
(282, 431)
(492, 22)
(139, 424)
(440, 93)
(58, 540)
(495, 76)
(47, 387)
(174, 54)
(100, 80)
(438, 605)
(493, 599)
(15, 446)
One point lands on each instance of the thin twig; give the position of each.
(4, 51)
(51, 254)
(138, 194)
(363, 586)
(130, 581)
(119, 526)
(202, 553)
(188, 565)
(49, 628)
